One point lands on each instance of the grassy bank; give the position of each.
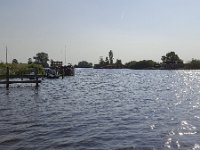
(20, 69)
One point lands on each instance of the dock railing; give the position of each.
(33, 78)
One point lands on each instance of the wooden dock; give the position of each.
(32, 79)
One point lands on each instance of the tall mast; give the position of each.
(6, 54)
(65, 55)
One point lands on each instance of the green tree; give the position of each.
(118, 63)
(84, 64)
(14, 61)
(101, 62)
(111, 56)
(107, 61)
(30, 61)
(145, 64)
(130, 65)
(194, 64)
(42, 58)
(172, 61)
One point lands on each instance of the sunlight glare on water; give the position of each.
(104, 109)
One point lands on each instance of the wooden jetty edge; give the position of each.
(8, 82)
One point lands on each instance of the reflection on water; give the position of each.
(104, 109)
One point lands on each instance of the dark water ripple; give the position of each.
(104, 109)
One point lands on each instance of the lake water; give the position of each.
(104, 110)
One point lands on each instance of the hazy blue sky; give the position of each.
(133, 29)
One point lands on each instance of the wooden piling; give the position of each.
(62, 73)
(8, 82)
(21, 77)
(36, 77)
(7, 78)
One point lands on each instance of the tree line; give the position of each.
(41, 58)
(169, 61)
(16, 68)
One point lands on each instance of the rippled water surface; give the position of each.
(104, 109)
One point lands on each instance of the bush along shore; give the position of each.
(21, 69)
(170, 61)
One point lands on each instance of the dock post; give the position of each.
(7, 78)
(37, 82)
(62, 73)
(21, 77)
(36, 77)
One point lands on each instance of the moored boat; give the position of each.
(51, 73)
(68, 70)
(52, 76)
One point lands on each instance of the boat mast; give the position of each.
(65, 55)
(6, 55)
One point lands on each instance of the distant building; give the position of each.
(56, 63)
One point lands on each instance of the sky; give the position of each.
(88, 29)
